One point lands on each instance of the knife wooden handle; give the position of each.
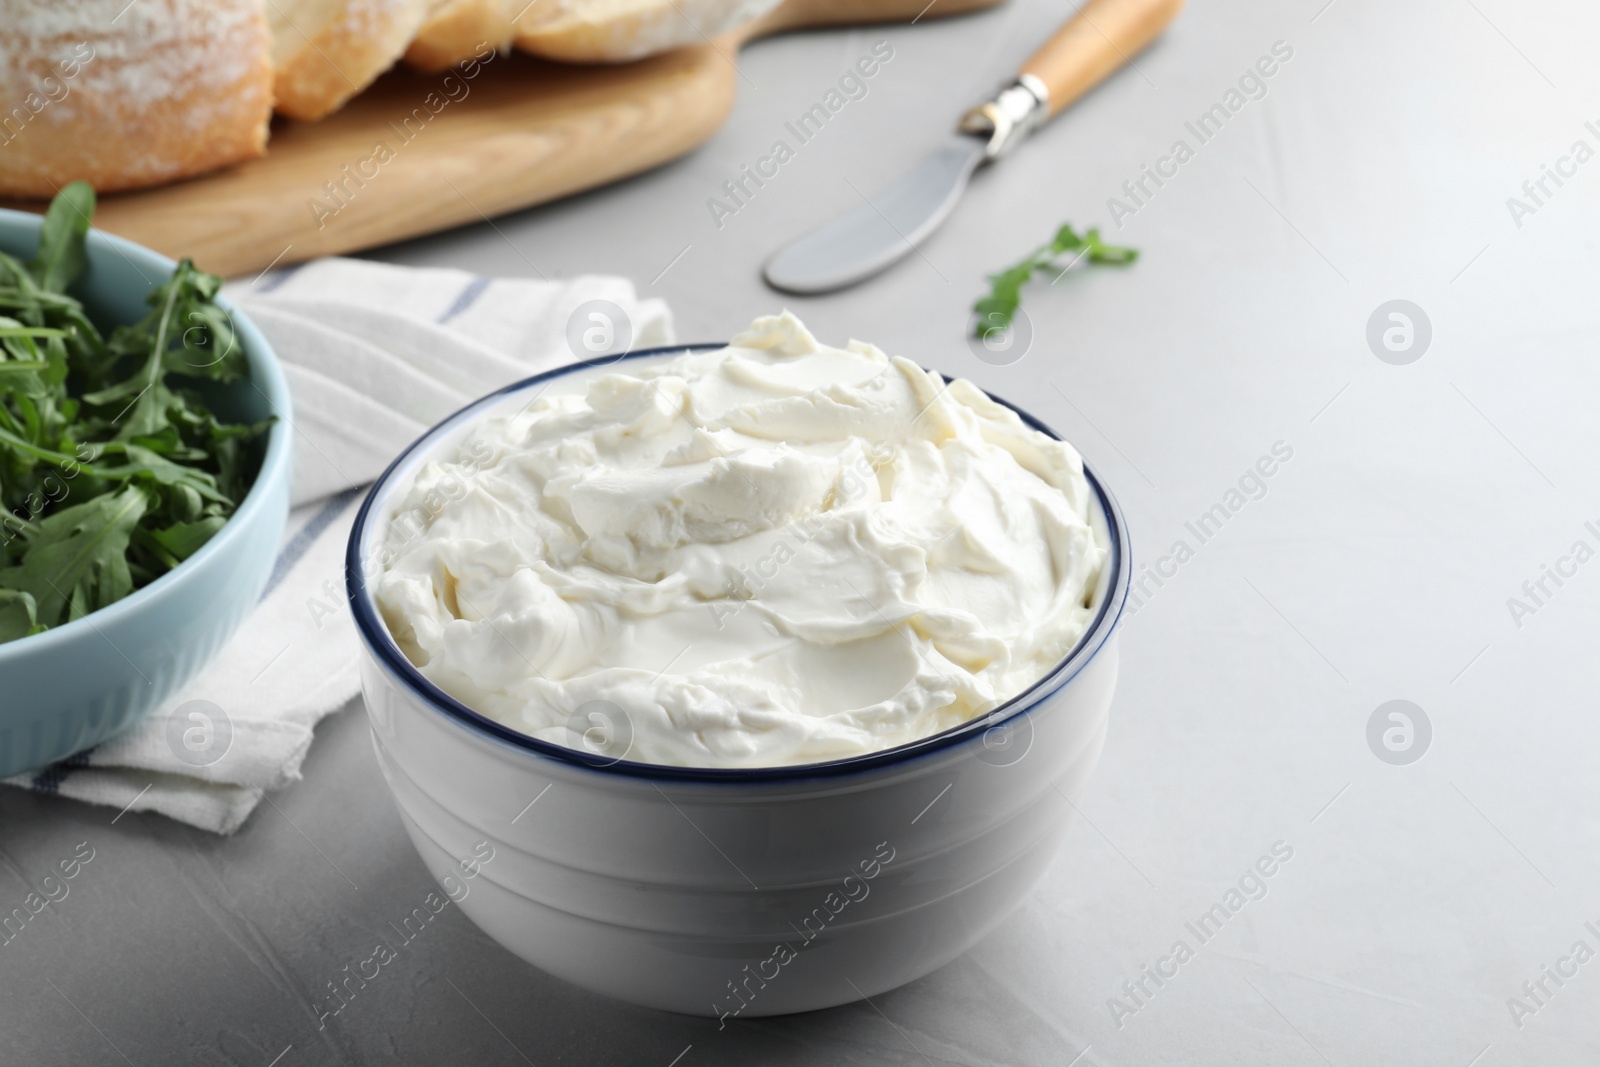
(1101, 37)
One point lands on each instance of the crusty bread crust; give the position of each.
(337, 60)
(458, 30)
(129, 96)
(616, 31)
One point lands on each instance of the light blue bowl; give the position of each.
(69, 688)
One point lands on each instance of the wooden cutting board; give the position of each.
(394, 163)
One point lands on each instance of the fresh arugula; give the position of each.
(996, 310)
(113, 469)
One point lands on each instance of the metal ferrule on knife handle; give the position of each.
(1014, 113)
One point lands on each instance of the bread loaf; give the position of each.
(615, 31)
(455, 31)
(327, 51)
(128, 95)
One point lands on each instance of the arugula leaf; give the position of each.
(28, 370)
(78, 558)
(61, 258)
(18, 615)
(183, 539)
(996, 309)
(184, 333)
(113, 471)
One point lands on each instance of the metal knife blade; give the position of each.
(876, 233)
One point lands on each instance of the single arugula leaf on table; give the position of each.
(997, 309)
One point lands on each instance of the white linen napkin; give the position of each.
(374, 354)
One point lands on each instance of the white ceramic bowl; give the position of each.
(720, 892)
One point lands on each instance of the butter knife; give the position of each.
(1099, 39)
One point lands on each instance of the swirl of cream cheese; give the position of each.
(774, 553)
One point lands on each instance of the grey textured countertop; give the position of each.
(1376, 563)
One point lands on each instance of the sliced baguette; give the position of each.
(455, 31)
(129, 96)
(616, 31)
(327, 51)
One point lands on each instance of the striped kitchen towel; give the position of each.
(374, 354)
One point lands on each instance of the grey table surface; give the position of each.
(1379, 562)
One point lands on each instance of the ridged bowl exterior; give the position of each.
(733, 893)
(74, 686)
(661, 893)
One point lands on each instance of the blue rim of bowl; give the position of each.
(375, 633)
(266, 377)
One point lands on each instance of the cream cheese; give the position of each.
(774, 553)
